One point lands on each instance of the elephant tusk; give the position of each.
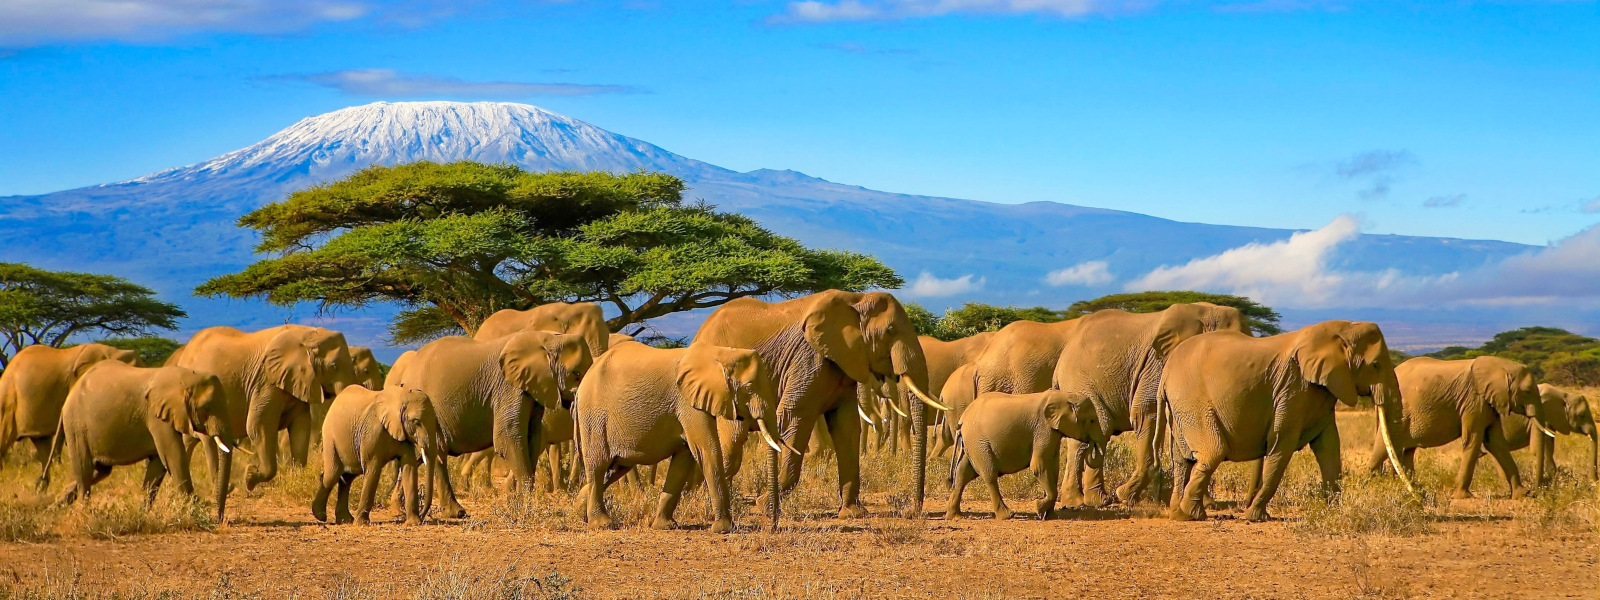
(922, 396)
(1546, 430)
(864, 417)
(896, 408)
(221, 446)
(1388, 446)
(767, 436)
(424, 456)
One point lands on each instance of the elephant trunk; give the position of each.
(224, 474)
(773, 465)
(915, 380)
(1594, 455)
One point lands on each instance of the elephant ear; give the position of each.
(1178, 323)
(84, 357)
(1061, 411)
(1493, 384)
(290, 366)
(527, 365)
(170, 402)
(392, 415)
(833, 328)
(1324, 358)
(704, 382)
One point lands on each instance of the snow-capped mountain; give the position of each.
(173, 229)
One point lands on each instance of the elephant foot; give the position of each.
(364, 520)
(723, 525)
(320, 513)
(1124, 494)
(911, 512)
(343, 519)
(1519, 492)
(1461, 495)
(600, 521)
(1073, 498)
(413, 520)
(1257, 515)
(663, 524)
(852, 511)
(1179, 514)
(1002, 514)
(952, 513)
(1046, 514)
(1096, 499)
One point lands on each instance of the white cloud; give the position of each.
(388, 83)
(32, 22)
(1294, 273)
(1094, 272)
(929, 286)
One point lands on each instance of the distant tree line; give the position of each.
(973, 318)
(1555, 355)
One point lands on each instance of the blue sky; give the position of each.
(1461, 119)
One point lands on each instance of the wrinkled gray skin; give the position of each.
(1443, 401)
(118, 414)
(35, 385)
(1564, 413)
(366, 429)
(640, 405)
(1001, 434)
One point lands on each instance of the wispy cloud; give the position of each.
(929, 286)
(1591, 205)
(389, 83)
(1295, 273)
(1090, 273)
(818, 11)
(34, 22)
(1376, 169)
(1444, 201)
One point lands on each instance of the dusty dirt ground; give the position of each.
(272, 548)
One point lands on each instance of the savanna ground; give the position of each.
(1371, 542)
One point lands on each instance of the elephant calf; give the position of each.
(640, 405)
(118, 414)
(363, 431)
(1000, 434)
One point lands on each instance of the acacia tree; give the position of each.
(974, 318)
(50, 307)
(453, 243)
(1261, 319)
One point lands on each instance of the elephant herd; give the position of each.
(1189, 381)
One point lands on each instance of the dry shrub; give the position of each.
(519, 509)
(1378, 505)
(120, 515)
(26, 518)
(451, 580)
(1566, 507)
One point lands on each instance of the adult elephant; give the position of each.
(369, 374)
(818, 348)
(943, 359)
(584, 319)
(1113, 359)
(640, 405)
(1561, 412)
(1442, 401)
(34, 387)
(494, 393)
(1237, 398)
(271, 379)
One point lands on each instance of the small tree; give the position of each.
(1261, 319)
(453, 243)
(50, 308)
(974, 318)
(153, 350)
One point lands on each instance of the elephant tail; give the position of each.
(1163, 422)
(958, 451)
(56, 442)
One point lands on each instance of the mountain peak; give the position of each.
(334, 144)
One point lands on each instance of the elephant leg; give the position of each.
(800, 434)
(1075, 456)
(671, 490)
(1408, 460)
(1379, 455)
(447, 494)
(1195, 478)
(409, 477)
(298, 421)
(984, 465)
(175, 460)
(263, 430)
(41, 449)
(1143, 462)
(557, 475)
(1539, 442)
(319, 502)
(1500, 449)
(341, 507)
(1273, 467)
(1470, 444)
(963, 475)
(1547, 462)
(845, 425)
(370, 480)
(1325, 447)
(1047, 469)
(708, 464)
(517, 439)
(154, 472)
(596, 472)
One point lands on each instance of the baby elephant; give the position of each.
(1000, 434)
(118, 414)
(363, 431)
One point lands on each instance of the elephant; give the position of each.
(364, 431)
(369, 374)
(943, 360)
(1021, 358)
(494, 393)
(118, 414)
(640, 405)
(817, 349)
(271, 378)
(35, 385)
(1001, 434)
(1442, 401)
(1232, 397)
(959, 391)
(1113, 359)
(1560, 411)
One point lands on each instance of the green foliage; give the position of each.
(453, 243)
(1261, 319)
(974, 318)
(1555, 355)
(50, 307)
(153, 350)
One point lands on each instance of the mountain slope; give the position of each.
(173, 229)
